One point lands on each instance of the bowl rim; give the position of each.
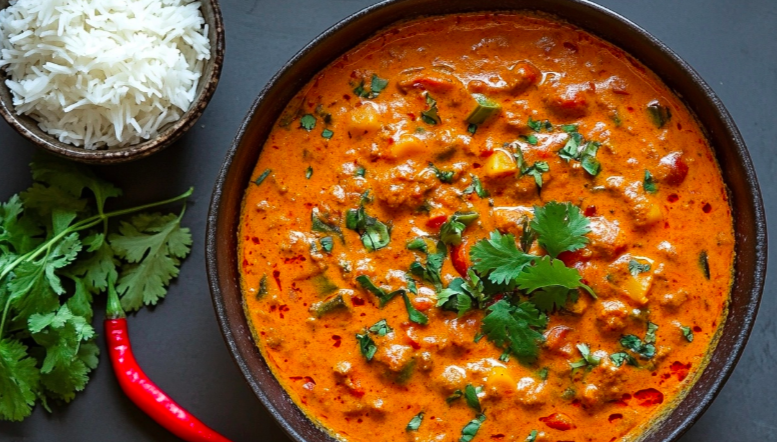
(751, 197)
(208, 83)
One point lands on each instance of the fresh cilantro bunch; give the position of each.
(57, 251)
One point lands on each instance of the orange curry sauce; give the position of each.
(332, 145)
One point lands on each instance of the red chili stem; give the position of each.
(140, 389)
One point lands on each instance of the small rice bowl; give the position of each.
(103, 73)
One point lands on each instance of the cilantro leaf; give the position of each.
(477, 187)
(532, 436)
(383, 296)
(308, 172)
(646, 348)
(307, 122)
(560, 227)
(430, 116)
(100, 266)
(263, 176)
(636, 267)
(317, 224)
(18, 381)
(412, 313)
(589, 360)
(451, 230)
(415, 422)
(516, 329)
(499, 258)
(445, 176)
(431, 272)
(374, 233)
(366, 346)
(381, 328)
(377, 85)
(649, 183)
(687, 333)
(153, 245)
(471, 429)
(327, 134)
(619, 358)
(471, 396)
(552, 281)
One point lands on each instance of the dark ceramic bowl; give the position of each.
(168, 134)
(738, 173)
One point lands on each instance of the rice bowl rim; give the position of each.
(168, 134)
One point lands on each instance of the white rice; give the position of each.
(103, 73)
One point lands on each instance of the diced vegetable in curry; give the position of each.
(486, 227)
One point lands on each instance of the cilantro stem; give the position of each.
(84, 224)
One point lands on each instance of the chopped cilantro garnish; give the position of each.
(445, 176)
(431, 272)
(636, 267)
(430, 116)
(649, 183)
(461, 294)
(374, 234)
(476, 186)
(327, 244)
(471, 429)
(589, 360)
(381, 328)
(415, 422)
(262, 289)
(377, 85)
(619, 358)
(578, 149)
(543, 373)
(367, 346)
(517, 329)
(417, 244)
(569, 128)
(472, 128)
(383, 296)
(413, 314)
(535, 170)
(263, 176)
(531, 139)
(539, 125)
(326, 133)
(360, 171)
(646, 348)
(307, 122)
(560, 227)
(471, 396)
(687, 333)
(451, 230)
(309, 172)
(532, 436)
(456, 395)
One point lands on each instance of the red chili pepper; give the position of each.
(140, 389)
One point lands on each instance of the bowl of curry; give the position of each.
(494, 221)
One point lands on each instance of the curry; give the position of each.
(486, 227)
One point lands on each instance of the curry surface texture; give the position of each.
(499, 117)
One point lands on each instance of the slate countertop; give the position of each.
(733, 45)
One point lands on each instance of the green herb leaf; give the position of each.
(646, 349)
(153, 245)
(543, 373)
(263, 176)
(445, 176)
(366, 346)
(308, 172)
(560, 227)
(649, 183)
(417, 244)
(377, 85)
(476, 186)
(381, 328)
(538, 125)
(431, 272)
(471, 429)
(532, 436)
(451, 230)
(413, 314)
(619, 358)
(454, 397)
(19, 379)
(374, 234)
(307, 122)
(687, 333)
(499, 258)
(471, 396)
(360, 171)
(317, 224)
(636, 267)
(472, 128)
(430, 115)
(327, 244)
(328, 134)
(552, 281)
(415, 422)
(517, 329)
(383, 296)
(589, 360)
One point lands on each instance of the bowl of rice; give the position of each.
(108, 81)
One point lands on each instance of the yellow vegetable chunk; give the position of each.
(499, 382)
(407, 146)
(365, 119)
(500, 164)
(633, 276)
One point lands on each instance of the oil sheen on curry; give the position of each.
(486, 227)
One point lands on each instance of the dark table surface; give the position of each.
(733, 45)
